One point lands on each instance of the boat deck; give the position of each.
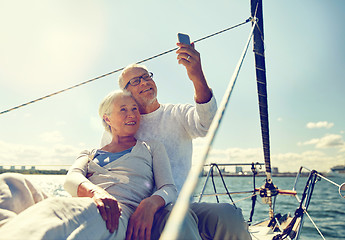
(260, 231)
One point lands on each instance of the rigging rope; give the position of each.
(182, 204)
(120, 69)
(224, 184)
(253, 168)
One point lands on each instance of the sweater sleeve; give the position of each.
(162, 173)
(76, 175)
(197, 119)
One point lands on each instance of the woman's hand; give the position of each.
(108, 208)
(106, 203)
(140, 223)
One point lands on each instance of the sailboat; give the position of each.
(338, 170)
(277, 225)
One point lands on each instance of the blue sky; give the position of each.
(49, 45)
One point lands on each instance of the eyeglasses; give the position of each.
(137, 80)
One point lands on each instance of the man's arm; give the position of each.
(140, 223)
(190, 58)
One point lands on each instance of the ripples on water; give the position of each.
(327, 208)
(51, 184)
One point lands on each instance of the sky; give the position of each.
(47, 46)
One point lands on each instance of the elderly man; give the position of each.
(176, 125)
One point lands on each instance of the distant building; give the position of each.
(23, 168)
(275, 170)
(1, 167)
(239, 170)
(33, 168)
(12, 167)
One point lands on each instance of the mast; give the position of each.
(259, 53)
(269, 190)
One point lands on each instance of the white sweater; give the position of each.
(176, 125)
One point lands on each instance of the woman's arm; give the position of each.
(140, 223)
(76, 175)
(78, 185)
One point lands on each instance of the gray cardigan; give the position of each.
(131, 178)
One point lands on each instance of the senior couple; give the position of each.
(126, 188)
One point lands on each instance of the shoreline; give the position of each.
(224, 174)
(35, 172)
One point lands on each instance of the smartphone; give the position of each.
(183, 38)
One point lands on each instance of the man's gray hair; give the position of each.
(106, 106)
(122, 82)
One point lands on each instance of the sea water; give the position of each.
(327, 208)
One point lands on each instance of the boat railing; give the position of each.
(211, 174)
(293, 230)
(304, 201)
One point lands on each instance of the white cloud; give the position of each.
(51, 137)
(321, 124)
(318, 160)
(96, 123)
(19, 154)
(52, 37)
(328, 141)
(342, 149)
(62, 154)
(229, 155)
(61, 123)
(286, 162)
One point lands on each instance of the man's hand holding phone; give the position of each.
(186, 49)
(190, 58)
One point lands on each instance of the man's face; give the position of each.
(145, 92)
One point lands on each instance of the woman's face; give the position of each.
(125, 117)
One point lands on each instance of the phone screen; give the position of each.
(183, 38)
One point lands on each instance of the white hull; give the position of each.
(260, 231)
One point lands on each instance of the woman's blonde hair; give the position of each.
(106, 106)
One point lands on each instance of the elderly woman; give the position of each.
(119, 187)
